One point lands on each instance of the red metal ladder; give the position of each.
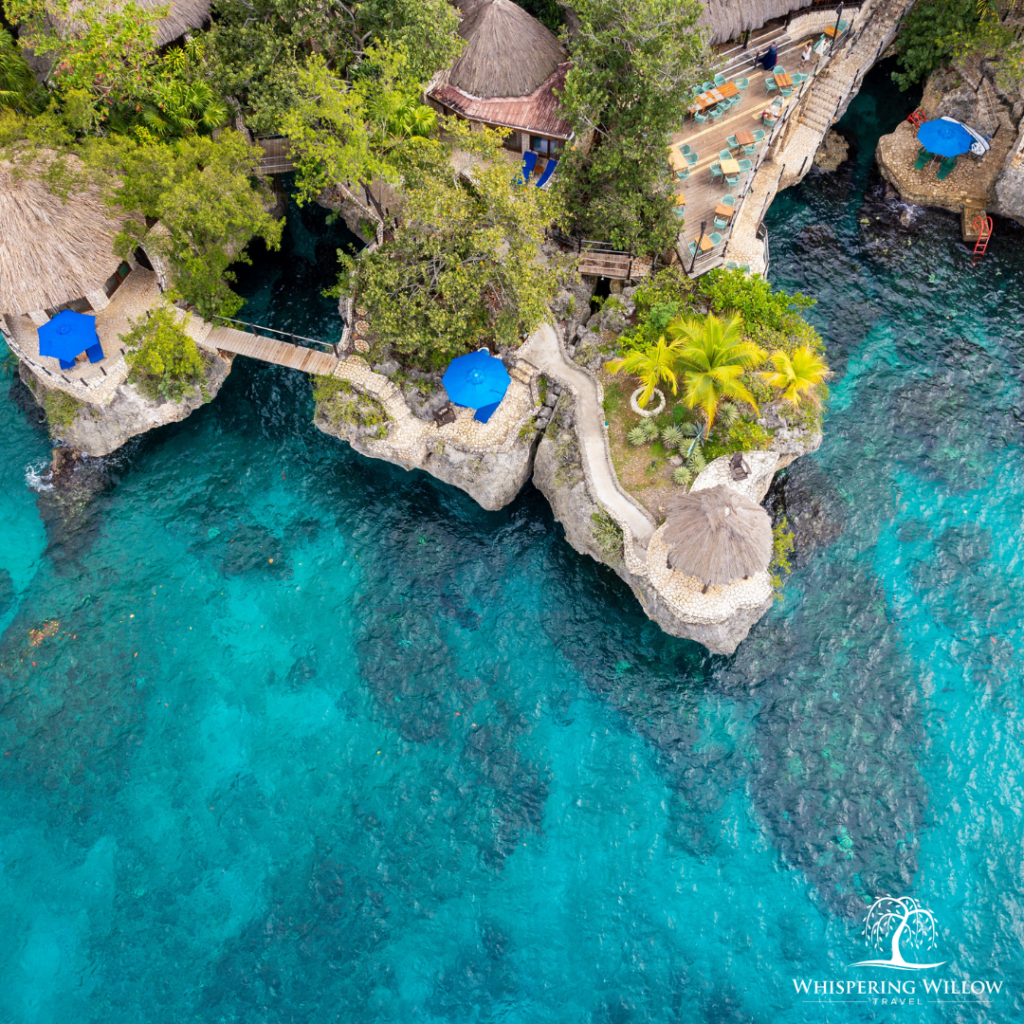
(983, 227)
(916, 118)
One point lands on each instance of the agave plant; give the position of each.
(696, 462)
(682, 476)
(650, 429)
(729, 413)
(637, 436)
(673, 437)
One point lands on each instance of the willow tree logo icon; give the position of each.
(908, 922)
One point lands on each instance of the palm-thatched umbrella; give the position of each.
(508, 52)
(718, 535)
(53, 249)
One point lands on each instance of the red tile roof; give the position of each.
(537, 113)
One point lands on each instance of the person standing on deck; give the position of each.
(768, 58)
(806, 55)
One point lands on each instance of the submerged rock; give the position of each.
(833, 150)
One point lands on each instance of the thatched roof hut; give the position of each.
(729, 19)
(508, 52)
(509, 73)
(182, 16)
(718, 535)
(53, 250)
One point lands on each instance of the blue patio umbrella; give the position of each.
(67, 336)
(944, 137)
(476, 381)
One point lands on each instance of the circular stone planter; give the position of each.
(650, 410)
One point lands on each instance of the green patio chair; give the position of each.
(724, 154)
(759, 135)
(716, 171)
(778, 70)
(720, 80)
(946, 168)
(684, 148)
(707, 87)
(714, 113)
(735, 101)
(923, 159)
(745, 165)
(732, 143)
(732, 180)
(741, 84)
(693, 248)
(680, 214)
(699, 117)
(769, 85)
(691, 159)
(716, 238)
(683, 174)
(786, 92)
(728, 199)
(751, 149)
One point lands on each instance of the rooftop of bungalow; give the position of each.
(507, 75)
(181, 16)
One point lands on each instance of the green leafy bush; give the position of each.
(339, 402)
(659, 300)
(769, 316)
(607, 533)
(165, 361)
(782, 550)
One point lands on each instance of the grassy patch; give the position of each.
(339, 402)
(61, 409)
(607, 533)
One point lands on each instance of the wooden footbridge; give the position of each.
(270, 350)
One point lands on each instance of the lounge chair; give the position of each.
(716, 171)
(720, 80)
(691, 159)
(923, 159)
(529, 162)
(548, 171)
(741, 84)
(946, 168)
(95, 353)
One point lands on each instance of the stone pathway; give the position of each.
(544, 351)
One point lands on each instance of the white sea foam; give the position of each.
(38, 477)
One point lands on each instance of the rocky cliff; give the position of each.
(100, 429)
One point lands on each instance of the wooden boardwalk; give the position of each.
(241, 343)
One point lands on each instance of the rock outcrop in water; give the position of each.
(100, 429)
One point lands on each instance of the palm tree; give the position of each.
(714, 356)
(653, 366)
(17, 83)
(797, 376)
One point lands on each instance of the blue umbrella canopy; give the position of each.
(476, 380)
(67, 335)
(944, 137)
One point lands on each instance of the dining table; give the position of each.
(745, 138)
(704, 243)
(703, 100)
(730, 166)
(783, 81)
(724, 211)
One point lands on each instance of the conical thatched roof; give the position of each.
(52, 250)
(729, 19)
(182, 15)
(508, 52)
(718, 535)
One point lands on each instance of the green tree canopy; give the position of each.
(164, 359)
(462, 269)
(633, 64)
(208, 201)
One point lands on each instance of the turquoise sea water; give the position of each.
(319, 740)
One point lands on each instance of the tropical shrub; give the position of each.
(714, 357)
(61, 410)
(768, 316)
(682, 476)
(165, 361)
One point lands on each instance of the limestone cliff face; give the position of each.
(558, 474)
(99, 430)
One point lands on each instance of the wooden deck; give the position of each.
(241, 343)
(700, 193)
